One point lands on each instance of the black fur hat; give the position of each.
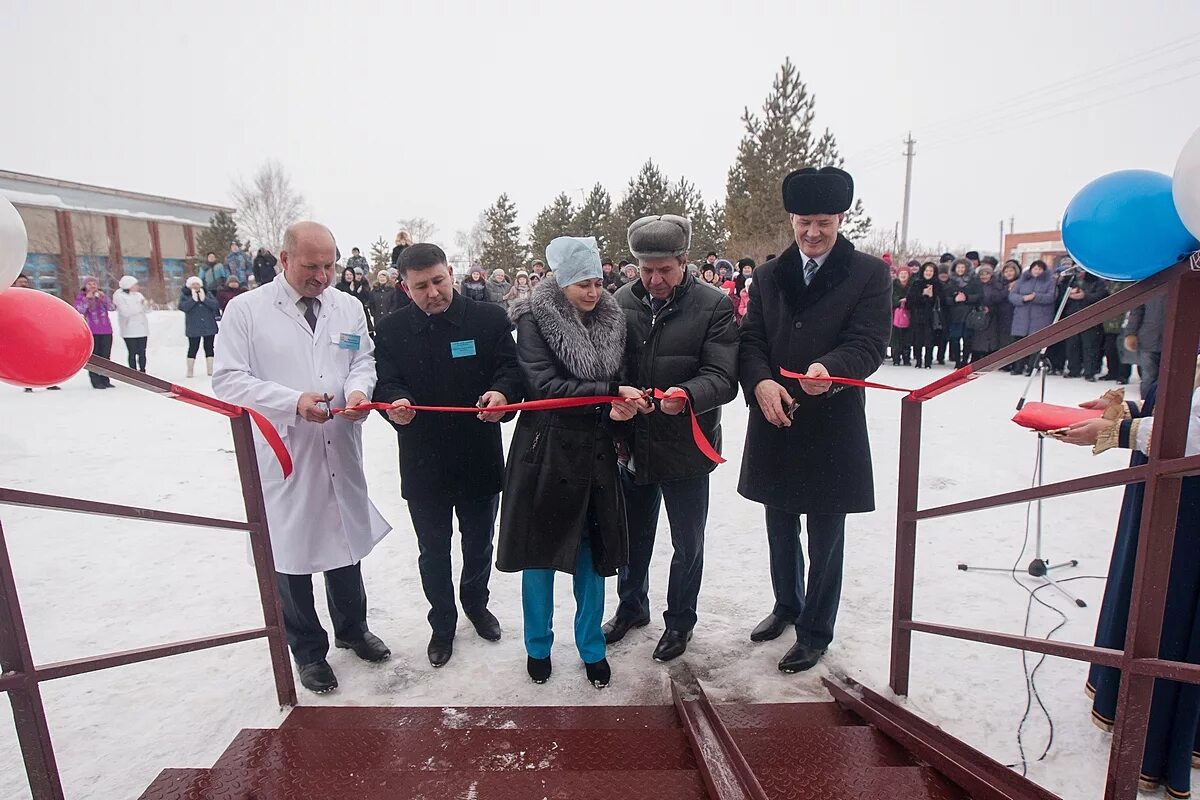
(827, 190)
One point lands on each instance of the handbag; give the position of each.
(939, 323)
(900, 316)
(978, 319)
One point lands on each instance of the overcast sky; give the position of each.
(388, 110)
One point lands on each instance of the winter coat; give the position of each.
(131, 313)
(994, 301)
(922, 310)
(227, 293)
(321, 517)
(358, 263)
(448, 359)
(821, 464)
(380, 302)
(398, 300)
(213, 276)
(1031, 317)
(95, 311)
(612, 281)
(264, 268)
(496, 292)
(691, 343)
(238, 264)
(968, 285)
(1113, 325)
(396, 251)
(475, 290)
(200, 316)
(900, 292)
(562, 465)
(1146, 323)
(1093, 288)
(517, 292)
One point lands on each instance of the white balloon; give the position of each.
(1185, 185)
(13, 243)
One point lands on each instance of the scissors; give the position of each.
(327, 401)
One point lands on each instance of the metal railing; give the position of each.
(20, 677)
(1163, 476)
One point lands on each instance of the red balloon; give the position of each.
(43, 341)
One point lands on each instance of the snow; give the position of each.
(17, 197)
(90, 585)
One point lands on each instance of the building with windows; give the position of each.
(1026, 248)
(76, 229)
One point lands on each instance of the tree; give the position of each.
(419, 229)
(552, 221)
(774, 144)
(217, 237)
(647, 193)
(595, 218)
(267, 205)
(503, 249)
(381, 253)
(472, 243)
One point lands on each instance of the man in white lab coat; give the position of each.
(282, 349)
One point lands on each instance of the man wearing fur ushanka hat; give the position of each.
(820, 309)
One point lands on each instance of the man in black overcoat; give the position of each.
(443, 349)
(820, 309)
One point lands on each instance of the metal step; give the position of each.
(497, 717)
(841, 752)
(785, 715)
(312, 784)
(477, 749)
(807, 782)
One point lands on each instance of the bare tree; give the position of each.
(267, 205)
(471, 243)
(419, 229)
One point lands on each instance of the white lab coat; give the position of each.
(131, 313)
(320, 517)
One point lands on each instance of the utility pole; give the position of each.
(1001, 251)
(908, 155)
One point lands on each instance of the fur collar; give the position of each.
(791, 273)
(591, 346)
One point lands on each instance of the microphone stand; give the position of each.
(1039, 567)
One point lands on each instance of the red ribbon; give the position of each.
(787, 373)
(702, 443)
(186, 395)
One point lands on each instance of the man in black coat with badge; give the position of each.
(444, 349)
(820, 309)
(682, 336)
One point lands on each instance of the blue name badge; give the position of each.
(462, 349)
(349, 341)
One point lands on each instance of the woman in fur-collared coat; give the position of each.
(563, 509)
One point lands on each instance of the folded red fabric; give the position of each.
(1047, 417)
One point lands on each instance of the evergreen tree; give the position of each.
(774, 144)
(595, 218)
(381, 253)
(553, 221)
(647, 193)
(503, 248)
(217, 237)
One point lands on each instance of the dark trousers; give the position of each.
(923, 339)
(1111, 349)
(687, 513)
(941, 344)
(101, 346)
(434, 525)
(347, 600)
(136, 346)
(901, 345)
(1056, 354)
(814, 607)
(194, 345)
(1083, 352)
(960, 348)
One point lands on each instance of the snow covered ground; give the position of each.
(90, 585)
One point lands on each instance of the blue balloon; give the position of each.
(1124, 227)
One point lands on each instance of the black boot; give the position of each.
(318, 677)
(486, 625)
(616, 628)
(538, 668)
(800, 658)
(599, 673)
(672, 645)
(770, 628)
(439, 651)
(368, 648)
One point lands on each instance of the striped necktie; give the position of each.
(810, 269)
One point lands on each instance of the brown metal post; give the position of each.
(906, 542)
(1157, 534)
(264, 560)
(29, 715)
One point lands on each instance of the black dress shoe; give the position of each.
(800, 658)
(440, 651)
(599, 673)
(318, 677)
(672, 645)
(486, 625)
(770, 628)
(538, 668)
(616, 628)
(369, 648)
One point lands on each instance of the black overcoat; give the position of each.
(449, 359)
(562, 465)
(691, 343)
(822, 463)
